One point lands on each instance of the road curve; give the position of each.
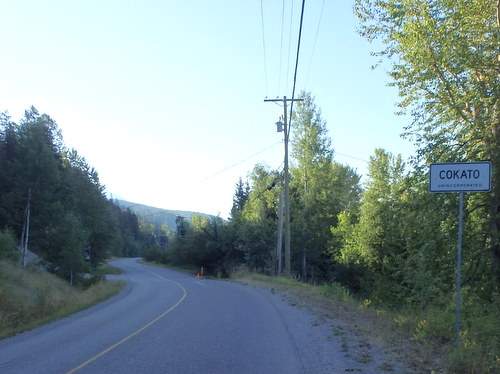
(166, 321)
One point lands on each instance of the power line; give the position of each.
(235, 164)
(354, 158)
(286, 129)
(269, 187)
(289, 46)
(263, 43)
(281, 44)
(315, 40)
(296, 64)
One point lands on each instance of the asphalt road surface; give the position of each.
(166, 321)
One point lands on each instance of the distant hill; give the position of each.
(157, 216)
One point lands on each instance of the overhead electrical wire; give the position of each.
(235, 164)
(296, 66)
(315, 40)
(263, 43)
(281, 43)
(289, 46)
(269, 187)
(354, 158)
(189, 185)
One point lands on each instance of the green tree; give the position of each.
(240, 197)
(51, 198)
(83, 196)
(7, 245)
(256, 236)
(68, 243)
(208, 244)
(35, 176)
(376, 241)
(445, 64)
(321, 189)
(428, 226)
(10, 207)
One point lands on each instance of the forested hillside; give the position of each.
(157, 216)
(52, 203)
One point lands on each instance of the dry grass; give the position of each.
(30, 298)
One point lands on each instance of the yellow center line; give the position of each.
(137, 331)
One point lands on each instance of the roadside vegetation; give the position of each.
(57, 227)
(53, 205)
(30, 298)
(388, 244)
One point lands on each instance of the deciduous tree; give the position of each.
(445, 59)
(321, 187)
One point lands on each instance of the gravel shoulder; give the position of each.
(336, 338)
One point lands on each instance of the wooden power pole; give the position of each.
(286, 135)
(279, 244)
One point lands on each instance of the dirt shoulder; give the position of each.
(371, 337)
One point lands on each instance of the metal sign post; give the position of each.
(460, 177)
(459, 267)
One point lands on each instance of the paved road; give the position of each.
(170, 322)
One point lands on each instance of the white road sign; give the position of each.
(460, 177)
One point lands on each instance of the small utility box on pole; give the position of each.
(460, 177)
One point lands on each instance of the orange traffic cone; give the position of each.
(200, 274)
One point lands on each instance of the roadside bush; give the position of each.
(335, 290)
(479, 351)
(435, 324)
(155, 254)
(349, 275)
(95, 276)
(8, 245)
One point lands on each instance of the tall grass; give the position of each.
(30, 298)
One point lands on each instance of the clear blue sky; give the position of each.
(165, 98)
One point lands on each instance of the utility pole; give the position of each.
(279, 244)
(287, 181)
(26, 230)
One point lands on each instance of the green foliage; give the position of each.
(257, 240)
(53, 203)
(7, 245)
(156, 254)
(336, 291)
(208, 243)
(375, 241)
(445, 63)
(479, 350)
(240, 199)
(474, 359)
(66, 257)
(132, 236)
(158, 217)
(434, 326)
(256, 230)
(321, 189)
(444, 57)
